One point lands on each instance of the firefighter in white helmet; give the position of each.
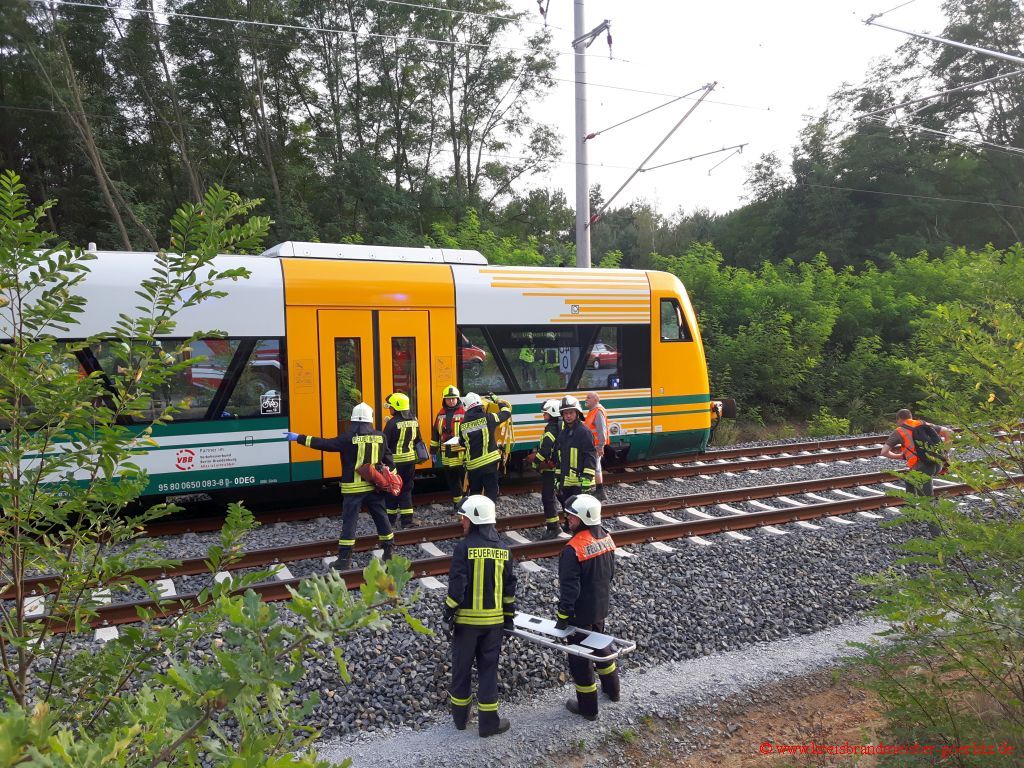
(585, 572)
(481, 603)
(476, 435)
(361, 444)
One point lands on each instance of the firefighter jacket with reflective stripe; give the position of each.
(585, 572)
(360, 445)
(401, 434)
(577, 457)
(476, 434)
(546, 458)
(446, 426)
(597, 423)
(482, 579)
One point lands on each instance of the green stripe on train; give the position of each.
(653, 445)
(248, 424)
(680, 399)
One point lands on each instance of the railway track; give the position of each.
(711, 463)
(109, 616)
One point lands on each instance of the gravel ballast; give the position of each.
(543, 731)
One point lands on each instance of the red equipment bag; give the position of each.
(381, 478)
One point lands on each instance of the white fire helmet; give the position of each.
(551, 408)
(479, 510)
(363, 412)
(585, 507)
(471, 400)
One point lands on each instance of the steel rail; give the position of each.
(126, 613)
(258, 558)
(684, 466)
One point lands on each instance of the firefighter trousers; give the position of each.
(548, 496)
(582, 671)
(351, 504)
(484, 480)
(401, 505)
(456, 476)
(482, 646)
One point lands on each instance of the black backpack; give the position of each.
(929, 448)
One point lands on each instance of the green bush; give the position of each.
(824, 424)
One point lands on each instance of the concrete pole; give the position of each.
(582, 179)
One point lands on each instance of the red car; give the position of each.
(603, 356)
(472, 357)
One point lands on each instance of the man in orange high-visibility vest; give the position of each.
(597, 422)
(901, 445)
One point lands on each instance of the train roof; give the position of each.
(297, 250)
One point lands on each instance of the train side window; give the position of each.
(604, 360)
(348, 379)
(478, 366)
(403, 368)
(258, 391)
(191, 389)
(673, 322)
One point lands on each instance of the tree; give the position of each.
(67, 480)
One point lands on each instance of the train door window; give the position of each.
(478, 365)
(258, 391)
(403, 368)
(604, 360)
(673, 322)
(348, 379)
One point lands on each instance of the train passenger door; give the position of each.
(346, 373)
(403, 341)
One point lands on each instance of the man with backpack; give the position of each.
(921, 445)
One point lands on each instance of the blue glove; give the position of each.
(292, 436)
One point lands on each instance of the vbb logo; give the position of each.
(185, 459)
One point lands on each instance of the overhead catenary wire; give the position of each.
(1005, 148)
(871, 21)
(940, 94)
(595, 134)
(695, 157)
(519, 19)
(286, 25)
(356, 33)
(908, 194)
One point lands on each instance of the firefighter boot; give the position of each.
(460, 715)
(551, 532)
(584, 705)
(407, 521)
(388, 548)
(344, 561)
(492, 725)
(599, 494)
(393, 519)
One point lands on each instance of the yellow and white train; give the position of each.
(318, 327)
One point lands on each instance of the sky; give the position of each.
(778, 61)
